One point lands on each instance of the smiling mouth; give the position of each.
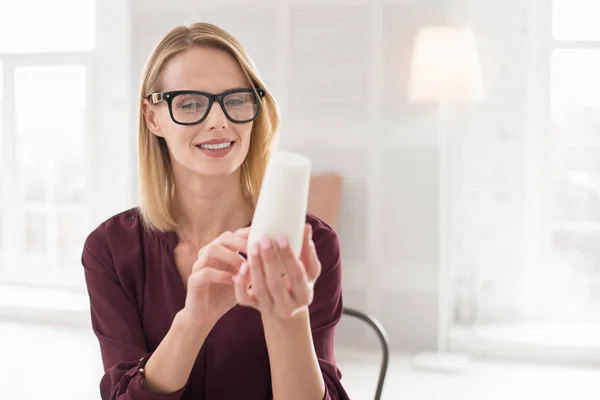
(218, 146)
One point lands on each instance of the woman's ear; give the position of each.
(151, 118)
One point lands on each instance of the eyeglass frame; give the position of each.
(168, 97)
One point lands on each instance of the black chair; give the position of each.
(383, 339)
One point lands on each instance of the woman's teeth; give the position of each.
(216, 146)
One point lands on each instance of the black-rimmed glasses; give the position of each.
(190, 107)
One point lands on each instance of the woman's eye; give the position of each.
(191, 106)
(235, 102)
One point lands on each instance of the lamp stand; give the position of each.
(442, 360)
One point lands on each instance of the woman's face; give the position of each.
(216, 146)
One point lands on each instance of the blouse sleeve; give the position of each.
(326, 310)
(117, 325)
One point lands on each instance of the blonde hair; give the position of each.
(157, 185)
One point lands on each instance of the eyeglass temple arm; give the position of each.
(155, 98)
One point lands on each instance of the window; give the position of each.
(45, 59)
(572, 280)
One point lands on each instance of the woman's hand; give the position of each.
(210, 291)
(282, 284)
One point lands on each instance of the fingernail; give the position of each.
(282, 242)
(265, 242)
(310, 231)
(254, 249)
(244, 268)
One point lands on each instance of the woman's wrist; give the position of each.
(168, 368)
(188, 322)
(285, 326)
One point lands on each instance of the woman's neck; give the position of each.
(209, 206)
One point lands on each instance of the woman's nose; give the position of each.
(216, 118)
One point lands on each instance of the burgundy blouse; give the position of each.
(135, 291)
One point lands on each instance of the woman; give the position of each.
(179, 309)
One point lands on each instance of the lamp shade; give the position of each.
(445, 66)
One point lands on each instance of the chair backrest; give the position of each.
(325, 196)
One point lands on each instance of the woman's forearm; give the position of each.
(295, 371)
(169, 367)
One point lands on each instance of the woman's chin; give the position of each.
(221, 168)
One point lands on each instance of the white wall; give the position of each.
(501, 195)
(113, 143)
(342, 94)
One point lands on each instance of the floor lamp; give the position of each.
(445, 70)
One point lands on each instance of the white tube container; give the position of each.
(282, 201)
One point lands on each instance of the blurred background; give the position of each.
(466, 134)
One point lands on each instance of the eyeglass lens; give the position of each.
(238, 107)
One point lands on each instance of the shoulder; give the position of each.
(321, 231)
(113, 237)
(118, 228)
(326, 242)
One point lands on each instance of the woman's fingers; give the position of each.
(223, 251)
(280, 283)
(257, 276)
(243, 232)
(294, 270)
(212, 275)
(237, 242)
(216, 254)
(242, 295)
(233, 241)
(274, 266)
